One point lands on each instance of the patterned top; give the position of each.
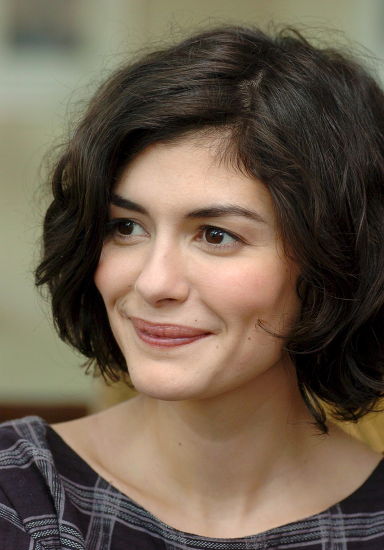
(50, 499)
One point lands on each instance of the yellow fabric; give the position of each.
(369, 429)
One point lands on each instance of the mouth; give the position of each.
(167, 335)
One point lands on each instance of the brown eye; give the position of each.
(214, 235)
(125, 227)
(218, 239)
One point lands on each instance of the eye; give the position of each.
(124, 229)
(218, 237)
(127, 227)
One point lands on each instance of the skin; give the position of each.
(167, 271)
(218, 442)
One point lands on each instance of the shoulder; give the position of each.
(358, 520)
(23, 444)
(31, 491)
(30, 431)
(368, 499)
(25, 458)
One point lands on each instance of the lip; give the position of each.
(167, 334)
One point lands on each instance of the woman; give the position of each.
(216, 231)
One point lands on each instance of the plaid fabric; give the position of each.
(50, 499)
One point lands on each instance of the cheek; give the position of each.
(110, 276)
(267, 290)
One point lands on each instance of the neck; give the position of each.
(229, 444)
(231, 465)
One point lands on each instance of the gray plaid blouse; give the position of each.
(50, 499)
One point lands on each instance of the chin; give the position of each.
(168, 388)
(163, 394)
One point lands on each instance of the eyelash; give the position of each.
(112, 225)
(236, 240)
(112, 230)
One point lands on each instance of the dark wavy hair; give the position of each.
(308, 122)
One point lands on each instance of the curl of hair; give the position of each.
(308, 122)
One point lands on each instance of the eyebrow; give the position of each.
(207, 212)
(117, 200)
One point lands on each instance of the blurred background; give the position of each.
(53, 53)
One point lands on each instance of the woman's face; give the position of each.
(191, 264)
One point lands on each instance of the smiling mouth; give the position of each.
(166, 335)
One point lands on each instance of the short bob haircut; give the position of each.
(309, 123)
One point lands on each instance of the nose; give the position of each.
(162, 278)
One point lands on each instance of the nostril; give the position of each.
(159, 284)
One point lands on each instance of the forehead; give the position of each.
(190, 172)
